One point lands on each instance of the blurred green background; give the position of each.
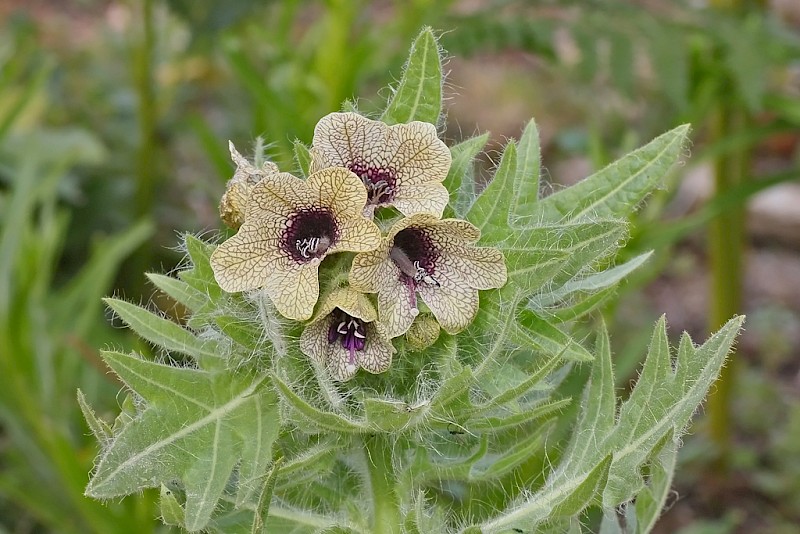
(114, 121)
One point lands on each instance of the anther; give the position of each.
(423, 276)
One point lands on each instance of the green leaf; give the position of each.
(262, 509)
(418, 97)
(200, 277)
(164, 333)
(547, 255)
(649, 502)
(663, 401)
(172, 513)
(389, 416)
(526, 178)
(513, 391)
(424, 469)
(608, 446)
(100, 429)
(526, 415)
(617, 190)
(182, 292)
(566, 499)
(589, 284)
(196, 426)
(245, 333)
(534, 332)
(460, 179)
(302, 157)
(493, 467)
(490, 211)
(320, 418)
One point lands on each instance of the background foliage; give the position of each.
(113, 121)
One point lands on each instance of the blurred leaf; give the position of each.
(622, 63)
(669, 57)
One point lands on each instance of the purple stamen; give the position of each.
(350, 330)
(380, 183)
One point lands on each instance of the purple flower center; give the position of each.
(380, 182)
(349, 331)
(415, 255)
(309, 233)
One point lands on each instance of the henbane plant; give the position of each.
(379, 349)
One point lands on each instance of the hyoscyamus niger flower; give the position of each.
(290, 225)
(401, 165)
(435, 259)
(344, 336)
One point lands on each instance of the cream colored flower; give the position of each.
(290, 225)
(344, 336)
(237, 191)
(401, 165)
(432, 257)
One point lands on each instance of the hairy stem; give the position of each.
(386, 511)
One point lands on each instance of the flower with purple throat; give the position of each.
(401, 165)
(344, 336)
(289, 226)
(434, 258)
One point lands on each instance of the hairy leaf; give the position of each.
(418, 97)
(195, 427)
(617, 190)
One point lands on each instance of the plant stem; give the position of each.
(386, 511)
(726, 255)
(146, 173)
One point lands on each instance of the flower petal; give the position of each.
(448, 229)
(314, 341)
(478, 267)
(374, 272)
(417, 154)
(418, 198)
(339, 189)
(454, 303)
(342, 138)
(388, 159)
(397, 306)
(244, 261)
(357, 234)
(277, 197)
(233, 204)
(377, 354)
(355, 304)
(294, 289)
(371, 268)
(338, 363)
